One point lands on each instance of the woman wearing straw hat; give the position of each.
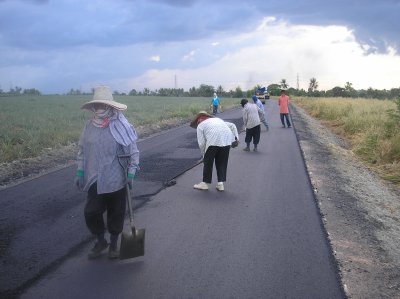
(215, 138)
(100, 172)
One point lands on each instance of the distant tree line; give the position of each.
(205, 90)
(274, 90)
(345, 92)
(15, 91)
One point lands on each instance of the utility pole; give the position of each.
(176, 83)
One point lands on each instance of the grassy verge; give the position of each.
(372, 132)
(30, 124)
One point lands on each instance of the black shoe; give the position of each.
(97, 249)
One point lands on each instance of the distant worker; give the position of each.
(260, 105)
(100, 173)
(215, 138)
(283, 102)
(215, 104)
(251, 120)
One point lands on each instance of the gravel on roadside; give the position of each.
(360, 212)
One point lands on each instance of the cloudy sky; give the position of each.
(56, 45)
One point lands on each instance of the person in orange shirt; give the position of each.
(283, 102)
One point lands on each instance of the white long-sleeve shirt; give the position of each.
(251, 115)
(215, 132)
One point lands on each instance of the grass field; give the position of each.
(30, 124)
(365, 124)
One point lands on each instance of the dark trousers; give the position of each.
(253, 134)
(283, 116)
(215, 109)
(115, 205)
(221, 155)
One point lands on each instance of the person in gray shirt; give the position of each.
(100, 171)
(251, 120)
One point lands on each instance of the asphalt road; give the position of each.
(41, 221)
(261, 238)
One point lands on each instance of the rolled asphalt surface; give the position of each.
(261, 238)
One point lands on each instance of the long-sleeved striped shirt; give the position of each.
(98, 158)
(251, 115)
(215, 132)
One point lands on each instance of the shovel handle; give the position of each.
(128, 199)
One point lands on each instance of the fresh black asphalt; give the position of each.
(261, 238)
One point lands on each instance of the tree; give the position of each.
(133, 92)
(274, 89)
(338, 91)
(205, 90)
(284, 83)
(313, 86)
(32, 91)
(348, 86)
(394, 92)
(220, 91)
(193, 92)
(146, 91)
(74, 92)
(349, 90)
(238, 93)
(15, 91)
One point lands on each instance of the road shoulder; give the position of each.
(360, 212)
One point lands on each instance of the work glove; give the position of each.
(131, 176)
(79, 179)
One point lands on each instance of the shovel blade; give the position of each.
(132, 244)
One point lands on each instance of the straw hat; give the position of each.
(193, 124)
(103, 95)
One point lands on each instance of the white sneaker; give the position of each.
(201, 186)
(220, 186)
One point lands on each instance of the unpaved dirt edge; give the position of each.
(361, 213)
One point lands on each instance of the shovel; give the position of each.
(132, 242)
